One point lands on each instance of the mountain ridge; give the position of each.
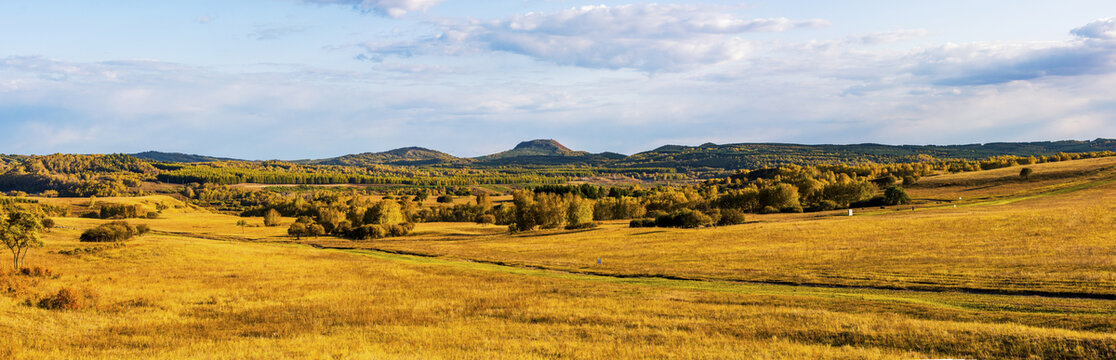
(549, 152)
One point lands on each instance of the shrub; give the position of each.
(1025, 173)
(152, 215)
(271, 218)
(69, 299)
(587, 225)
(48, 223)
(731, 217)
(36, 271)
(684, 218)
(824, 205)
(768, 210)
(445, 199)
(638, 223)
(112, 232)
(118, 211)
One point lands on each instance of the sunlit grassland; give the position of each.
(1004, 183)
(174, 296)
(1058, 244)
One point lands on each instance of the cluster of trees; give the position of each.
(533, 211)
(113, 232)
(227, 173)
(77, 175)
(355, 217)
(121, 211)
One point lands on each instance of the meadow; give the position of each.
(1018, 269)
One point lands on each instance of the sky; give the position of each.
(297, 79)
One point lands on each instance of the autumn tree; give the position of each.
(20, 230)
(271, 218)
(580, 214)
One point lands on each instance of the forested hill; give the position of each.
(401, 156)
(171, 157)
(546, 152)
(726, 157)
(761, 155)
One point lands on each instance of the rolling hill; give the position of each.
(402, 156)
(173, 157)
(548, 152)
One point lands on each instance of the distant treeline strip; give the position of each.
(229, 176)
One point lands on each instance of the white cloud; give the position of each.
(646, 37)
(1104, 29)
(392, 8)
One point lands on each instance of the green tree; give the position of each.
(20, 230)
(895, 195)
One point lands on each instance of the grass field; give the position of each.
(1021, 269)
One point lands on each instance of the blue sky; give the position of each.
(294, 79)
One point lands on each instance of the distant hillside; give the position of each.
(752, 156)
(178, 157)
(712, 156)
(401, 156)
(540, 147)
(546, 152)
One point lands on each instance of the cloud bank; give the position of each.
(645, 37)
(392, 8)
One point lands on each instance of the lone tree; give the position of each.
(298, 230)
(1025, 173)
(895, 195)
(241, 224)
(20, 228)
(271, 218)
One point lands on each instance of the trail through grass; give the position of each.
(940, 300)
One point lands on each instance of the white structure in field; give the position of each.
(850, 212)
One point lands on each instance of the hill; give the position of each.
(173, 157)
(760, 155)
(401, 156)
(546, 152)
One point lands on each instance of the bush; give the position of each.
(152, 215)
(48, 223)
(824, 205)
(895, 195)
(118, 211)
(587, 225)
(731, 217)
(486, 219)
(684, 218)
(1025, 173)
(638, 223)
(113, 232)
(69, 299)
(768, 210)
(445, 199)
(271, 218)
(38, 272)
